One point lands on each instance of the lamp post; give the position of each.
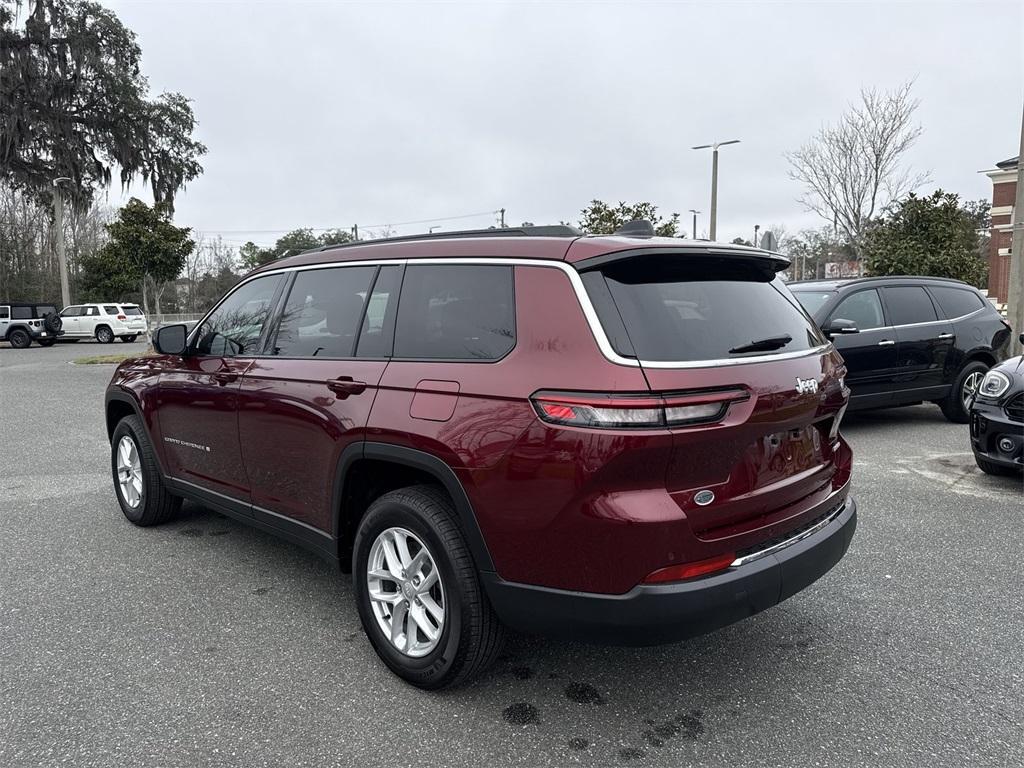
(695, 214)
(714, 180)
(58, 239)
(756, 228)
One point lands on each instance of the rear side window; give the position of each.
(45, 309)
(21, 313)
(863, 308)
(110, 310)
(131, 311)
(456, 312)
(321, 317)
(683, 309)
(90, 311)
(957, 302)
(909, 304)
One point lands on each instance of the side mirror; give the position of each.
(171, 339)
(840, 327)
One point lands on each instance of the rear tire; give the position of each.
(990, 468)
(967, 382)
(129, 339)
(141, 492)
(47, 343)
(19, 339)
(104, 335)
(470, 634)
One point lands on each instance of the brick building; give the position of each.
(1004, 193)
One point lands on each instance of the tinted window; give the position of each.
(812, 301)
(21, 313)
(5, 313)
(957, 302)
(456, 312)
(235, 326)
(322, 314)
(864, 308)
(683, 309)
(132, 311)
(71, 312)
(379, 320)
(111, 310)
(908, 305)
(45, 309)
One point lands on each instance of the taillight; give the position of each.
(685, 571)
(640, 411)
(122, 317)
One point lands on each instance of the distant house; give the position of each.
(1004, 193)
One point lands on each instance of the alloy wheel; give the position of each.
(970, 389)
(406, 592)
(129, 472)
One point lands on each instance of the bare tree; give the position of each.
(853, 169)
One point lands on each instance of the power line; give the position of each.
(327, 229)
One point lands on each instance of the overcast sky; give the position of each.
(329, 114)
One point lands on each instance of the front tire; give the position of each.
(104, 335)
(955, 406)
(138, 484)
(430, 622)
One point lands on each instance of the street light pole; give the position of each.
(1015, 299)
(714, 180)
(58, 239)
(756, 227)
(694, 222)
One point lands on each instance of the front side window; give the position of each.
(908, 305)
(379, 319)
(71, 312)
(321, 317)
(456, 312)
(863, 308)
(812, 301)
(698, 309)
(235, 326)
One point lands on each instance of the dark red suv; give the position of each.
(617, 439)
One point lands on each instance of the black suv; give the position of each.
(23, 322)
(909, 339)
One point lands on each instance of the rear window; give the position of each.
(682, 309)
(812, 301)
(957, 302)
(131, 311)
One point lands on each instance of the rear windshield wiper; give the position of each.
(763, 345)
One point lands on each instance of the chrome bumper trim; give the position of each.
(789, 542)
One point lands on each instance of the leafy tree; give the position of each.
(855, 168)
(74, 103)
(932, 235)
(145, 250)
(812, 249)
(296, 241)
(599, 218)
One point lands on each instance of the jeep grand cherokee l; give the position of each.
(619, 439)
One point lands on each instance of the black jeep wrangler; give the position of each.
(21, 322)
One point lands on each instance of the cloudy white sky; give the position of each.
(329, 114)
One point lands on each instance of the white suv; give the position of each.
(104, 322)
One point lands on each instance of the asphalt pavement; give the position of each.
(206, 643)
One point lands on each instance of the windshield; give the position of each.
(812, 301)
(681, 309)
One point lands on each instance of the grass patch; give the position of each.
(104, 359)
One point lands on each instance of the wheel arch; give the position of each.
(359, 480)
(19, 327)
(980, 355)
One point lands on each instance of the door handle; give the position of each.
(225, 378)
(945, 335)
(886, 343)
(345, 385)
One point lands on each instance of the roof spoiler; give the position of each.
(770, 260)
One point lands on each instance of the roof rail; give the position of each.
(551, 230)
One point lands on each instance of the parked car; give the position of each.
(906, 340)
(103, 322)
(21, 323)
(575, 436)
(997, 419)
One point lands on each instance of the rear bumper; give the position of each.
(649, 614)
